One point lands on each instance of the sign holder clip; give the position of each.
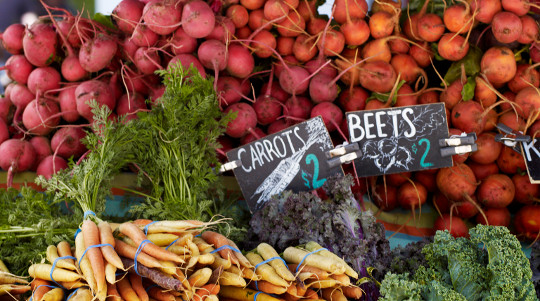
(343, 154)
(458, 144)
(230, 166)
(511, 137)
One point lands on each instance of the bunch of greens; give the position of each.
(175, 147)
(31, 222)
(335, 222)
(409, 258)
(488, 266)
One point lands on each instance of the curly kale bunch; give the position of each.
(535, 267)
(407, 259)
(487, 267)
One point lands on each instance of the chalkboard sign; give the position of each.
(293, 159)
(531, 152)
(399, 139)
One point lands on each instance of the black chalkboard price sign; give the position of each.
(531, 152)
(399, 139)
(293, 159)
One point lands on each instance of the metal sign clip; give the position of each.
(342, 149)
(230, 166)
(458, 144)
(347, 158)
(510, 137)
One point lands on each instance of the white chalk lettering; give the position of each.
(380, 124)
(412, 131)
(243, 150)
(354, 127)
(368, 125)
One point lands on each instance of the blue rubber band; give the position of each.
(198, 235)
(139, 249)
(54, 265)
(77, 233)
(51, 286)
(149, 287)
(94, 246)
(87, 213)
(146, 227)
(255, 297)
(256, 285)
(225, 247)
(72, 293)
(267, 261)
(321, 249)
(172, 243)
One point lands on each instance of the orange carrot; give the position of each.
(126, 291)
(91, 238)
(333, 294)
(39, 289)
(289, 297)
(142, 222)
(112, 293)
(352, 292)
(219, 241)
(267, 287)
(311, 294)
(319, 274)
(343, 279)
(300, 289)
(136, 284)
(156, 293)
(106, 236)
(128, 251)
(137, 235)
(205, 290)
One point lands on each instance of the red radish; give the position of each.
(128, 48)
(456, 181)
(330, 113)
(129, 105)
(430, 27)
(147, 60)
(162, 17)
(528, 99)
(353, 99)
(127, 14)
(284, 45)
(526, 222)
(277, 126)
(182, 42)
(20, 97)
(455, 225)
(298, 107)
(427, 179)
(6, 109)
(265, 42)
(512, 120)
(510, 161)
(382, 24)
(42, 147)
(349, 9)
(506, 27)
(356, 32)
(428, 97)
(40, 116)
(411, 196)
(334, 42)
(378, 76)
(97, 53)
(18, 68)
(526, 76)
(526, 192)
(51, 165)
(323, 88)
(276, 91)
(238, 14)
(93, 90)
(518, 7)
(256, 134)
(67, 142)
(398, 179)
(43, 79)
(422, 55)
(488, 149)
(453, 47)
(73, 30)
(39, 44)
(186, 60)
(485, 9)
(385, 197)
(498, 65)
(320, 66)
(223, 31)
(252, 4)
(267, 108)
(530, 30)
(304, 48)
(72, 69)
(246, 119)
(240, 62)
(294, 80)
(257, 20)
(226, 145)
(292, 26)
(228, 88)
(17, 156)
(458, 18)
(142, 36)
(4, 131)
(198, 19)
(406, 96)
(156, 94)
(12, 38)
(495, 217)
(496, 191)
(279, 65)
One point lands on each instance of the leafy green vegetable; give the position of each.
(471, 62)
(104, 20)
(32, 221)
(488, 266)
(385, 97)
(175, 147)
(467, 93)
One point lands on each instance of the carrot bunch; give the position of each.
(10, 284)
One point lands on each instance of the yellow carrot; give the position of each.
(343, 279)
(245, 273)
(84, 263)
(331, 265)
(244, 294)
(3, 267)
(231, 279)
(56, 294)
(8, 278)
(241, 258)
(64, 250)
(43, 271)
(110, 273)
(267, 251)
(52, 255)
(13, 289)
(162, 239)
(266, 271)
(82, 294)
(322, 283)
(200, 277)
(313, 246)
(72, 284)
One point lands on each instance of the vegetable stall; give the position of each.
(244, 149)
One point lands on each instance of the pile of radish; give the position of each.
(277, 63)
